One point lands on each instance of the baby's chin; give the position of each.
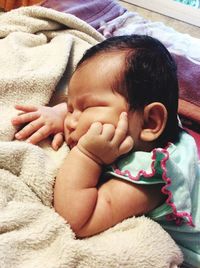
(72, 145)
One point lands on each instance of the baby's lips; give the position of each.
(70, 142)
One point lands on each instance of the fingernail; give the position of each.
(12, 120)
(17, 135)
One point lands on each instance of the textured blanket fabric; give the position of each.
(39, 48)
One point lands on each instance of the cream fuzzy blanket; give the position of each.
(38, 48)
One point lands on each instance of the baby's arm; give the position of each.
(89, 209)
(76, 196)
(42, 122)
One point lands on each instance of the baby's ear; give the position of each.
(155, 118)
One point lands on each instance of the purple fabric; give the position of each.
(189, 80)
(94, 12)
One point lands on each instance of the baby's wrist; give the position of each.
(88, 154)
(60, 109)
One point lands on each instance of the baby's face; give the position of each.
(91, 96)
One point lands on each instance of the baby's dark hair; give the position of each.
(149, 75)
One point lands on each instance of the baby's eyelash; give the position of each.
(86, 106)
(69, 108)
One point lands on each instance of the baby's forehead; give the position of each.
(96, 74)
(105, 67)
(107, 63)
(115, 55)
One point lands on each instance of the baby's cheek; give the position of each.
(107, 116)
(82, 128)
(110, 117)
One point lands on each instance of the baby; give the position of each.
(128, 157)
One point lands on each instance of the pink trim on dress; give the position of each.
(175, 215)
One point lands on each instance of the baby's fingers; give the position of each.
(39, 135)
(126, 145)
(121, 129)
(26, 108)
(29, 129)
(108, 131)
(25, 118)
(95, 129)
(57, 141)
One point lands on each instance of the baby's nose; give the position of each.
(71, 123)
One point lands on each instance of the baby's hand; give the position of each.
(104, 143)
(42, 122)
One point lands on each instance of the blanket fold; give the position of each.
(39, 50)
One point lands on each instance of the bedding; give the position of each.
(39, 50)
(93, 12)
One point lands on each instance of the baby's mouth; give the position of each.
(71, 143)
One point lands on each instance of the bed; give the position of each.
(32, 71)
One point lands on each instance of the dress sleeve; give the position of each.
(141, 167)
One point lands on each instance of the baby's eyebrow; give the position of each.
(86, 98)
(82, 98)
(91, 99)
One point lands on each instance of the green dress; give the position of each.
(177, 169)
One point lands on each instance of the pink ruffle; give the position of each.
(178, 217)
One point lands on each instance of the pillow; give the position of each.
(93, 12)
